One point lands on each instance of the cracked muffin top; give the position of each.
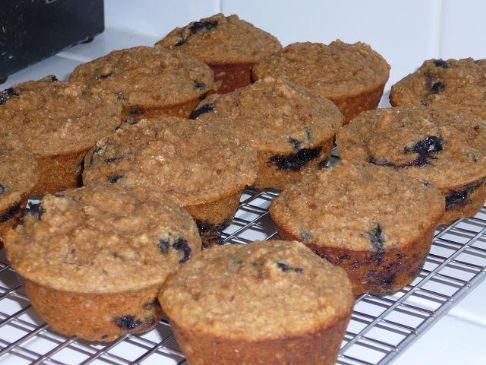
(358, 207)
(50, 117)
(332, 71)
(264, 290)
(102, 239)
(453, 84)
(219, 40)
(192, 162)
(287, 117)
(147, 77)
(441, 146)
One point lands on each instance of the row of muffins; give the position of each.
(299, 148)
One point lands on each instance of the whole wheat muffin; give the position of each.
(58, 122)
(149, 81)
(352, 76)
(375, 223)
(229, 45)
(201, 167)
(267, 302)
(453, 84)
(443, 147)
(291, 129)
(93, 259)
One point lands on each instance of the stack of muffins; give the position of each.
(165, 139)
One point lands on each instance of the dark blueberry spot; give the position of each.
(2, 189)
(206, 108)
(441, 63)
(127, 322)
(211, 233)
(286, 267)
(35, 210)
(377, 242)
(120, 95)
(198, 26)
(356, 264)
(295, 161)
(152, 304)
(455, 198)
(427, 184)
(426, 146)
(97, 149)
(115, 178)
(180, 42)
(304, 235)
(199, 85)
(102, 75)
(7, 94)
(437, 87)
(310, 134)
(164, 246)
(323, 164)
(10, 213)
(181, 244)
(52, 78)
(296, 144)
(136, 111)
(113, 159)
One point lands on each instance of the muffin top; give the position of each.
(287, 118)
(453, 84)
(147, 77)
(332, 71)
(220, 40)
(50, 117)
(192, 162)
(18, 176)
(358, 207)
(441, 146)
(102, 239)
(262, 290)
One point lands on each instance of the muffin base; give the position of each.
(96, 317)
(474, 202)
(231, 75)
(270, 176)
(318, 348)
(369, 272)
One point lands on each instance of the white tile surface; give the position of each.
(472, 308)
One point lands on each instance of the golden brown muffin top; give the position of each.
(443, 147)
(453, 84)
(273, 115)
(332, 71)
(219, 40)
(102, 239)
(19, 173)
(191, 161)
(50, 117)
(363, 208)
(262, 290)
(147, 77)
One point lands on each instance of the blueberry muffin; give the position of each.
(440, 146)
(229, 45)
(453, 84)
(149, 81)
(58, 122)
(291, 129)
(375, 223)
(93, 259)
(274, 302)
(352, 76)
(201, 167)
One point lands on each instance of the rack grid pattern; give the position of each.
(380, 327)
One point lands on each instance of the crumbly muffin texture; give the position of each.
(358, 207)
(221, 40)
(263, 290)
(332, 71)
(450, 84)
(50, 117)
(102, 239)
(192, 162)
(443, 147)
(147, 77)
(273, 115)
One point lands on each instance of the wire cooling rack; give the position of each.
(379, 329)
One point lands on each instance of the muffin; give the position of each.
(93, 259)
(149, 81)
(229, 45)
(201, 167)
(292, 130)
(375, 223)
(453, 84)
(58, 122)
(18, 176)
(352, 76)
(272, 302)
(443, 147)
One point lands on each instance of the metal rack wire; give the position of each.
(379, 329)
